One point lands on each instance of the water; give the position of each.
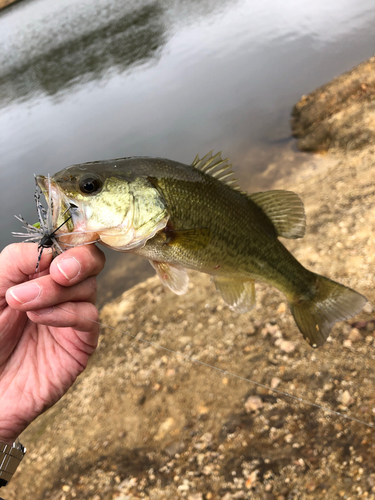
(90, 80)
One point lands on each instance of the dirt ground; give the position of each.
(145, 422)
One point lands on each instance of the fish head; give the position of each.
(120, 210)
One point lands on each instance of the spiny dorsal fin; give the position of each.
(216, 167)
(285, 210)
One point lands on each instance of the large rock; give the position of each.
(339, 114)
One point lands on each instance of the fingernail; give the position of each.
(69, 267)
(46, 310)
(25, 293)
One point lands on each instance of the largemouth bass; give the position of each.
(196, 217)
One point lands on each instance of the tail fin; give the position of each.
(329, 303)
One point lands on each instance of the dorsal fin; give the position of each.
(216, 167)
(285, 210)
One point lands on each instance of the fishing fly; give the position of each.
(43, 232)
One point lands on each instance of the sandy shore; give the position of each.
(143, 422)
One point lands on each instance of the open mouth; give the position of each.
(57, 203)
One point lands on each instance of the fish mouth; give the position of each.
(57, 202)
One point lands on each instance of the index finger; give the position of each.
(77, 264)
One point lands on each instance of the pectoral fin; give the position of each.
(239, 295)
(173, 277)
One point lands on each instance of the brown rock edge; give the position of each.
(5, 3)
(143, 422)
(340, 114)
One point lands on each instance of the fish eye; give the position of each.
(90, 185)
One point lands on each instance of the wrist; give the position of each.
(10, 458)
(7, 438)
(11, 426)
(9, 433)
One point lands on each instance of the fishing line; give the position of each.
(224, 372)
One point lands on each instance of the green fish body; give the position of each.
(195, 216)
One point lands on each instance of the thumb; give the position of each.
(18, 263)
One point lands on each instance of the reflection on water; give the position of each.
(132, 39)
(98, 79)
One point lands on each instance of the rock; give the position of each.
(253, 403)
(339, 114)
(165, 428)
(345, 398)
(282, 308)
(275, 382)
(195, 496)
(368, 308)
(285, 345)
(252, 479)
(371, 480)
(354, 335)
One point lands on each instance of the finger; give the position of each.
(18, 261)
(45, 292)
(80, 327)
(77, 264)
(81, 316)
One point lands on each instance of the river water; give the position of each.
(100, 79)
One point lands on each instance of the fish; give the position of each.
(196, 216)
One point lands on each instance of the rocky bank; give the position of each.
(145, 422)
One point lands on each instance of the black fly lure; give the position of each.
(42, 232)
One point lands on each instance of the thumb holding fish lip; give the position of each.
(71, 277)
(18, 262)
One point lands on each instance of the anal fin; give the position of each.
(173, 277)
(239, 295)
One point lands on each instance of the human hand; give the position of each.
(42, 347)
